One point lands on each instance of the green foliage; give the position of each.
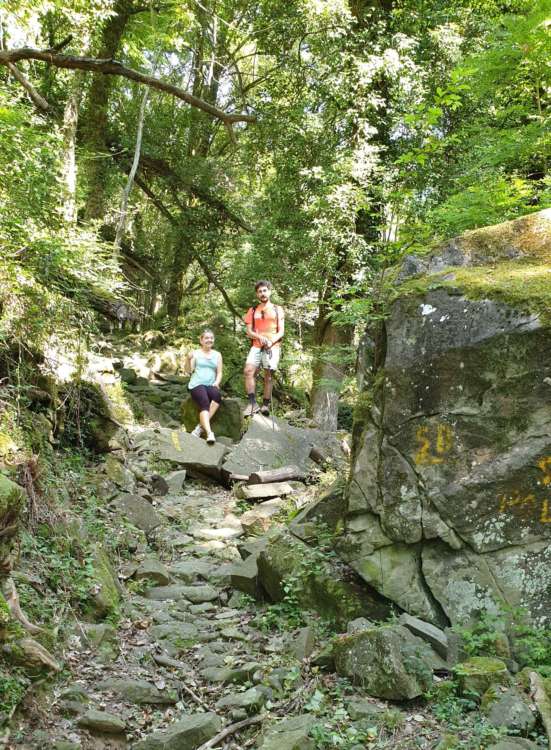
(480, 143)
(13, 686)
(485, 637)
(491, 634)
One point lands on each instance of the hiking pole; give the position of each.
(270, 387)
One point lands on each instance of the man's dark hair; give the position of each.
(262, 282)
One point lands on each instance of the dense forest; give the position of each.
(157, 159)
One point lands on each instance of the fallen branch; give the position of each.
(267, 476)
(114, 68)
(232, 729)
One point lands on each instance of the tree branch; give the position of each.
(196, 257)
(114, 68)
(161, 168)
(38, 100)
(228, 731)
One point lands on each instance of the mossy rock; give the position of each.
(103, 408)
(480, 673)
(105, 590)
(227, 422)
(508, 262)
(389, 662)
(317, 585)
(12, 501)
(7, 445)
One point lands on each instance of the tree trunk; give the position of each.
(69, 165)
(134, 168)
(95, 123)
(328, 369)
(180, 263)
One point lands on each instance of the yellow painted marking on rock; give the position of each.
(516, 500)
(423, 456)
(444, 439)
(545, 516)
(176, 440)
(545, 465)
(432, 449)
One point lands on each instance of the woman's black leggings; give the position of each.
(204, 394)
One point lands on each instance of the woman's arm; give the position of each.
(189, 366)
(219, 370)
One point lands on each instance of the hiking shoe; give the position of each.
(251, 409)
(265, 409)
(210, 437)
(197, 431)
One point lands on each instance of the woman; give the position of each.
(205, 364)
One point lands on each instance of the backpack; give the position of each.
(277, 318)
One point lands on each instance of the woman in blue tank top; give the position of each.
(205, 366)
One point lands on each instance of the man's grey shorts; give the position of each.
(266, 358)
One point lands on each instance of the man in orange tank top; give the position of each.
(265, 326)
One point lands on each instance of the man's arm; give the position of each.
(279, 334)
(255, 335)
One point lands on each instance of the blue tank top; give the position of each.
(205, 369)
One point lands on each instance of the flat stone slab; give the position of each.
(138, 511)
(429, 633)
(250, 700)
(153, 570)
(289, 734)
(188, 571)
(186, 734)
(101, 721)
(174, 631)
(223, 532)
(138, 691)
(244, 576)
(194, 594)
(175, 481)
(183, 448)
(265, 491)
(270, 445)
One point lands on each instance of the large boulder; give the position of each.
(272, 443)
(138, 511)
(287, 562)
(388, 662)
(227, 422)
(451, 476)
(186, 734)
(194, 454)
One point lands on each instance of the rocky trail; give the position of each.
(192, 662)
(229, 622)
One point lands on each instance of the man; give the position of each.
(265, 326)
